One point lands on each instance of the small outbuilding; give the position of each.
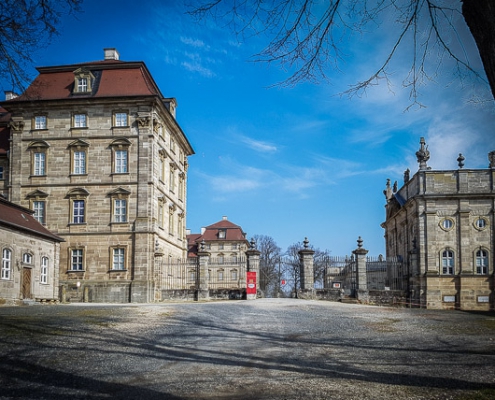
(30, 256)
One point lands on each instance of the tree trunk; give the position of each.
(480, 18)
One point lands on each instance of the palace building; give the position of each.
(441, 223)
(97, 153)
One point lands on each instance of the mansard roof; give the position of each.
(21, 219)
(233, 232)
(112, 78)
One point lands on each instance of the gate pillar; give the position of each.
(203, 288)
(361, 281)
(307, 272)
(253, 265)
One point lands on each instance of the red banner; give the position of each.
(251, 282)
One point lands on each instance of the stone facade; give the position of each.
(97, 151)
(221, 248)
(30, 257)
(441, 223)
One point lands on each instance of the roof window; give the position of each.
(83, 81)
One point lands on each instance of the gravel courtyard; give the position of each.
(263, 349)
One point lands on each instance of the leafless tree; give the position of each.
(292, 265)
(269, 264)
(26, 27)
(307, 37)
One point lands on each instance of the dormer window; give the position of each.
(82, 85)
(83, 80)
(221, 234)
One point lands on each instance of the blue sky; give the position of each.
(293, 162)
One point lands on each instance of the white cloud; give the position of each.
(258, 145)
(197, 67)
(194, 42)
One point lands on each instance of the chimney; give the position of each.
(10, 95)
(203, 230)
(224, 218)
(111, 54)
(188, 232)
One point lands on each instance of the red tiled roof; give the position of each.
(20, 218)
(112, 78)
(232, 232)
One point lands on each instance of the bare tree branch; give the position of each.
(305, 37)
(27, 26)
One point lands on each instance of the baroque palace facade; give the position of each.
(441, 223)
(97, 154)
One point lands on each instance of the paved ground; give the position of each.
(263, 349)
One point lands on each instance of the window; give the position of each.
(220, 246)
(39, 164)
(171, 177)
(40, 122)
(77, 205)
(121, 161)
(446, 224)
(192, 275)
(27, 258)
(233, 275)
(120, 210)
(83, 79)
(76, 263)
(118, 262)
(448, 262)
(44, 270)
(79, 163)
(120, 119)
(220, 274)
(6, 263)
(160, 214)
(1, 172)
(38, 150)
(80, 121)
(181, 186)
(480, 223)
(82, 85)
(171, 220)
(39, 211)
(481, 262)
(172, 145)
(78, 212)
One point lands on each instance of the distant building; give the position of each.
(227, 245)
(30, 253)
(97, 154)
(441, 223)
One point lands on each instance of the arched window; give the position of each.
(482, 262)
(27, 258)
(448, 262)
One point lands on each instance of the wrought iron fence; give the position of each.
(381, 274)
(340, 273)
(227, 273)
(179, 274)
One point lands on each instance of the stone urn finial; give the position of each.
(423, 155)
